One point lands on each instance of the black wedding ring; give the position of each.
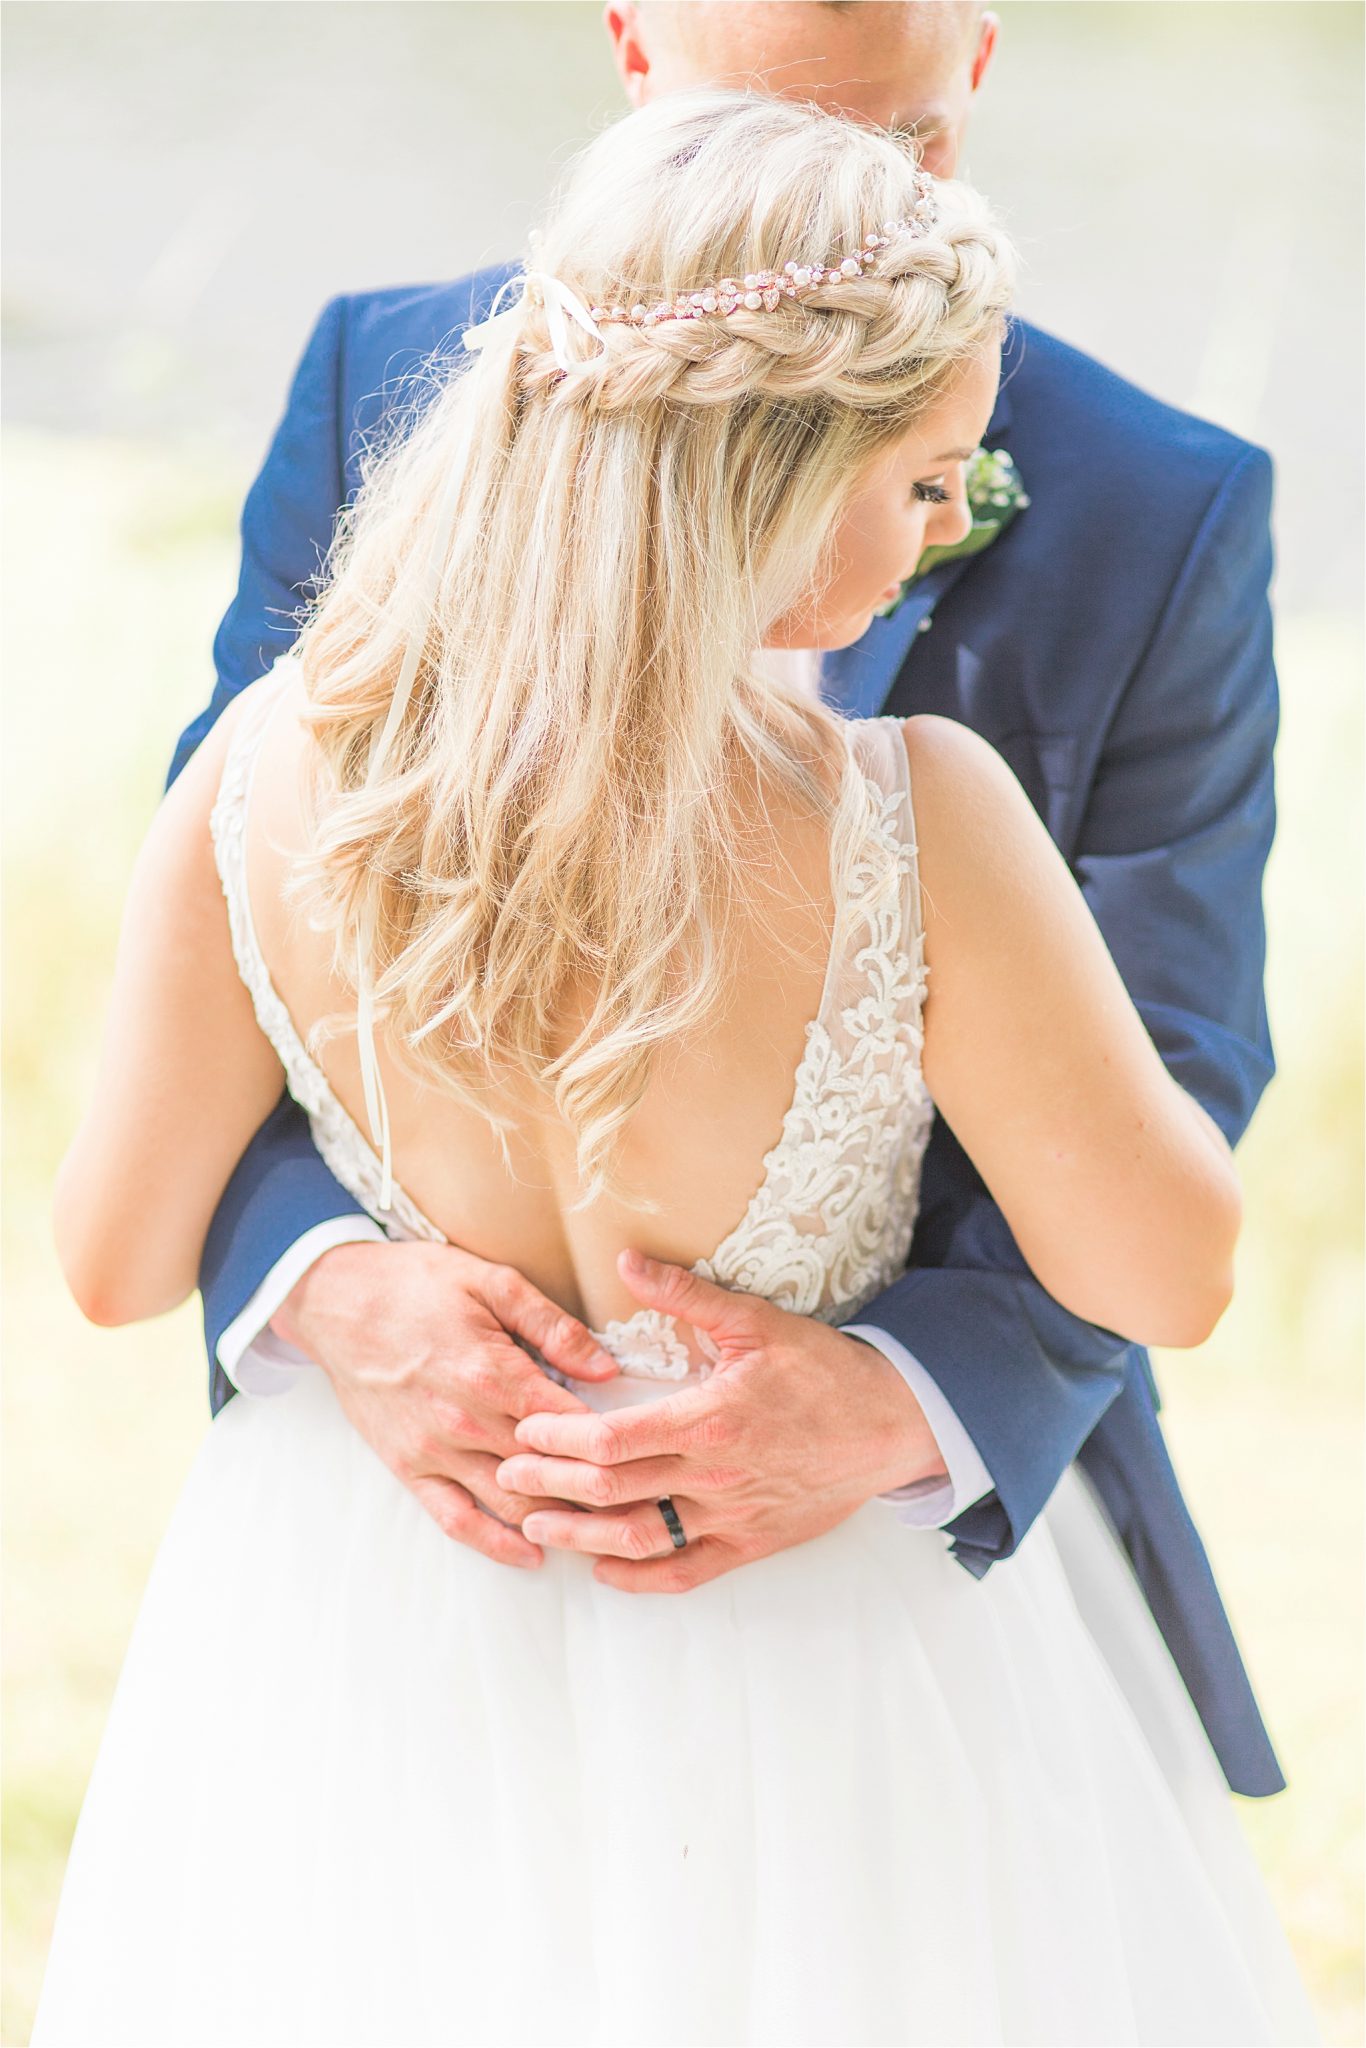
(671, 1522)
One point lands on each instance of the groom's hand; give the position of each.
(418, 1341)
(796, 1428)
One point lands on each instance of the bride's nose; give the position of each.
(952, 522)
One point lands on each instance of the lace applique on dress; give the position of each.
(647, 1346)
(830, 1223)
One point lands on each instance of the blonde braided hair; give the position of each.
(590, 562)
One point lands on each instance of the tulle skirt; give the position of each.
(363, 1786)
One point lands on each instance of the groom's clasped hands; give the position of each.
(796, 1428)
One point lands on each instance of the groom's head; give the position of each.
(912, 65)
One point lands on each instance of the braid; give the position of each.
(859, 343)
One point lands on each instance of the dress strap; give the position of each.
(233, 796)
(830, 1222)
(234, 787)
(878, 748)
(344, 1150)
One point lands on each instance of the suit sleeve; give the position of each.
(280, 1190)
(1170, 855)
(286, 527)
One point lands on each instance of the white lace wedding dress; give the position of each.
(361, 1785)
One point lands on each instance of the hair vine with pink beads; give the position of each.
(764, 290)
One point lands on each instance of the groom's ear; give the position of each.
(623, 32)
(987, 29)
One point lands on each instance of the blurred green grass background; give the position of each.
(100, 1426)
(186, 185)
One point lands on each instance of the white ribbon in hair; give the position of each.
(559, 301)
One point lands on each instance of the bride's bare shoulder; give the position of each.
(978, 833)
(948, 759)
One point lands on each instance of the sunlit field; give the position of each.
(119, 563)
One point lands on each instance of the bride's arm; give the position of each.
(1120, 1191)
(184, 1075)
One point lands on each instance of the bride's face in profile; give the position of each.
(911, 497)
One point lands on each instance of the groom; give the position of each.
(1113, 642)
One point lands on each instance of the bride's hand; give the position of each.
(417, 1340)
(796, 1428)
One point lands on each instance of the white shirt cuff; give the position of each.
(930, 1503)
(250, 1353)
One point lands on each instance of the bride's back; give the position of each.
(692, 1154)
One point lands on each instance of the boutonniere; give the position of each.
(995, 495)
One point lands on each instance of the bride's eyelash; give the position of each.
(929, 494)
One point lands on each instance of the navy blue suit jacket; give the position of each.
(1115, 645)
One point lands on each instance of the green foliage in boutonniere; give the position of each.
(995, 494)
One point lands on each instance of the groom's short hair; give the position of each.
(937, 24)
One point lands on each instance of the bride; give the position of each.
(523, 865)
